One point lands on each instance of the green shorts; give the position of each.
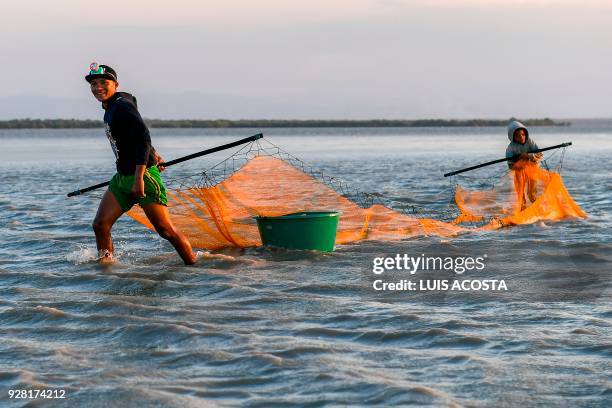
(155, 191)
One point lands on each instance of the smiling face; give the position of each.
(103, 89)
(520, 136)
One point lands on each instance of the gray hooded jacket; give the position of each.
(517, 148)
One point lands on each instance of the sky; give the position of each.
(315, 59)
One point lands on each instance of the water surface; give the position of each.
(275, 328)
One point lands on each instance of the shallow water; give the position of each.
(263, 327)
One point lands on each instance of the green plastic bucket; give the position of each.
(303, 230)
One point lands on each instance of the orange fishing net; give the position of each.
(220, 213)
(525, 195)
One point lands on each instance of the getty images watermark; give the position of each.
(411, 265)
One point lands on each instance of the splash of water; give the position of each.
(82, 255)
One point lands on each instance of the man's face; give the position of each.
(520, 136)
(102, 89)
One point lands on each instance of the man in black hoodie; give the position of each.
(138, 179)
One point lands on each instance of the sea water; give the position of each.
(261, 327)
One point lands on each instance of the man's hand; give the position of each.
(159, 161)
(534, 157)
(138, 188)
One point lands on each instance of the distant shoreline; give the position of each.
(273, 123)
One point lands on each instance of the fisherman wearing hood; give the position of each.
(520, 150)
(138, 179)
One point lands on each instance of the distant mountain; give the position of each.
(200, 106)
(40, 106)
(270, 123)
(174, 106)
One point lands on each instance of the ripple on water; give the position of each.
(436, 337)
(265, 327)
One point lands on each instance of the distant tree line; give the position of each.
(272, 123)
(50, 124)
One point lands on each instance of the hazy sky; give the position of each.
(311, 59)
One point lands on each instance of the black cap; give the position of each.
(100, 71)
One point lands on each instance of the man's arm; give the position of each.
(138, 186)
(136, 130)
(509, 154)
(136, 133)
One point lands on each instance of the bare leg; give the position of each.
(108, 212)
(532, 191)
(519, 186)
(160, 218)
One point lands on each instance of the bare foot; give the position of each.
(105, 257)
(208, 255)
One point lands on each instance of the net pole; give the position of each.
(178, 160)
(516, 156)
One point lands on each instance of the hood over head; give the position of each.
(128, 96)
(513, 126)
(125, 96)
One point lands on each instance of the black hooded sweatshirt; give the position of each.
(127, 134)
